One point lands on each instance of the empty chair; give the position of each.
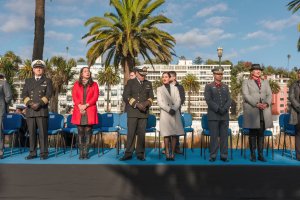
(188, 121)
(122, 131)
(151, 126)
(55, 127)
(11, 127)
(109, 124)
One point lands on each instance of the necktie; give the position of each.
(218, 85)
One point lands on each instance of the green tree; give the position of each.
(294, 7)
(274, 86)
(39, 30)
(156, 84)
(128, 33)
(9, 66)
(198, 60)
(293, 77)
(26, 70)
(60, 72)
(190, 84)
(81, 60)
(109, 77)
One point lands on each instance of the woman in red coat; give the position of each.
(85, 95)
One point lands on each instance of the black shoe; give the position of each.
(262, 159)
(224, 159)
(125, 158)
(30, 157)
(141, 158)
(178, 151)
(253, 158)
(44, 157)
(1, 156)
(212, 159)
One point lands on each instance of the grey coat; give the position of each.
(294, 97)
(252, 95)
(5, 96)
(168, 124)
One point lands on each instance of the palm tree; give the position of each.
(39, 30)
(275, 88)
(294, 7)
(293, 77)
(26, 70)
(190, 84)
(9, 66)
(156, 84)
(288, 57)
(128, 33)
(60, 72)
(109, 77)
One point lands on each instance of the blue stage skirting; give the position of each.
(110, 158)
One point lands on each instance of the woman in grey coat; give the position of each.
(257, 96)
(170, 124)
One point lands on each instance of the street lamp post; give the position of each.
(220, 53)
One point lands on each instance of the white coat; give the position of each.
(169, 125)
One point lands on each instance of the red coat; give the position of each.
(92, 94)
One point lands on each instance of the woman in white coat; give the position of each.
(170, 125)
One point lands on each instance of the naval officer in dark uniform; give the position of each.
(138, 96)
(36, 94)
(218, 99)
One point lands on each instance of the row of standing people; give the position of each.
(138, 96)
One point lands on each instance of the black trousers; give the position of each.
(297, 139)
(41, 123)
(136, 126)
(218, 129)
(259, 132)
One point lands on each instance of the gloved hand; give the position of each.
(172, 112)
(146, 103)
(35, 106)
(222, 111)
(140, 107)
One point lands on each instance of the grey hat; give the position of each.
(218, 70)
(142, 70)
(38, 63)
(256, 66)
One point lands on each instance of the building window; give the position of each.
(281, 105)
(281, 99)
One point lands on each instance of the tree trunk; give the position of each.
(39, 30)
(189, 103)
(54, 102)
(126, 63)
(107, 100)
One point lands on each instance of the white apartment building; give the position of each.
(198, 104)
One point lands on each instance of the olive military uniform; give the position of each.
(218, 99)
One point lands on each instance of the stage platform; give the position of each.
(106, 177)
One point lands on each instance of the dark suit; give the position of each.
(5, 98)
(218, 101)
(37, 92)
(134, 93)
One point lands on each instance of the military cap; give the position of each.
(218, 70)
(21, 107)
(142, 70)
(256, 66)
(38, 63)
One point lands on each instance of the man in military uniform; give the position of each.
(218, 99)
(5, 98)
(36, 94)
(138, 96)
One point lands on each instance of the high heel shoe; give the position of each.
(167, 157)
(172, 157)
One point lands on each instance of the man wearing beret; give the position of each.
(36, 93)
(218, 100)
(294, 96)
(138, 96)
(5, 98)
(257, 97)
